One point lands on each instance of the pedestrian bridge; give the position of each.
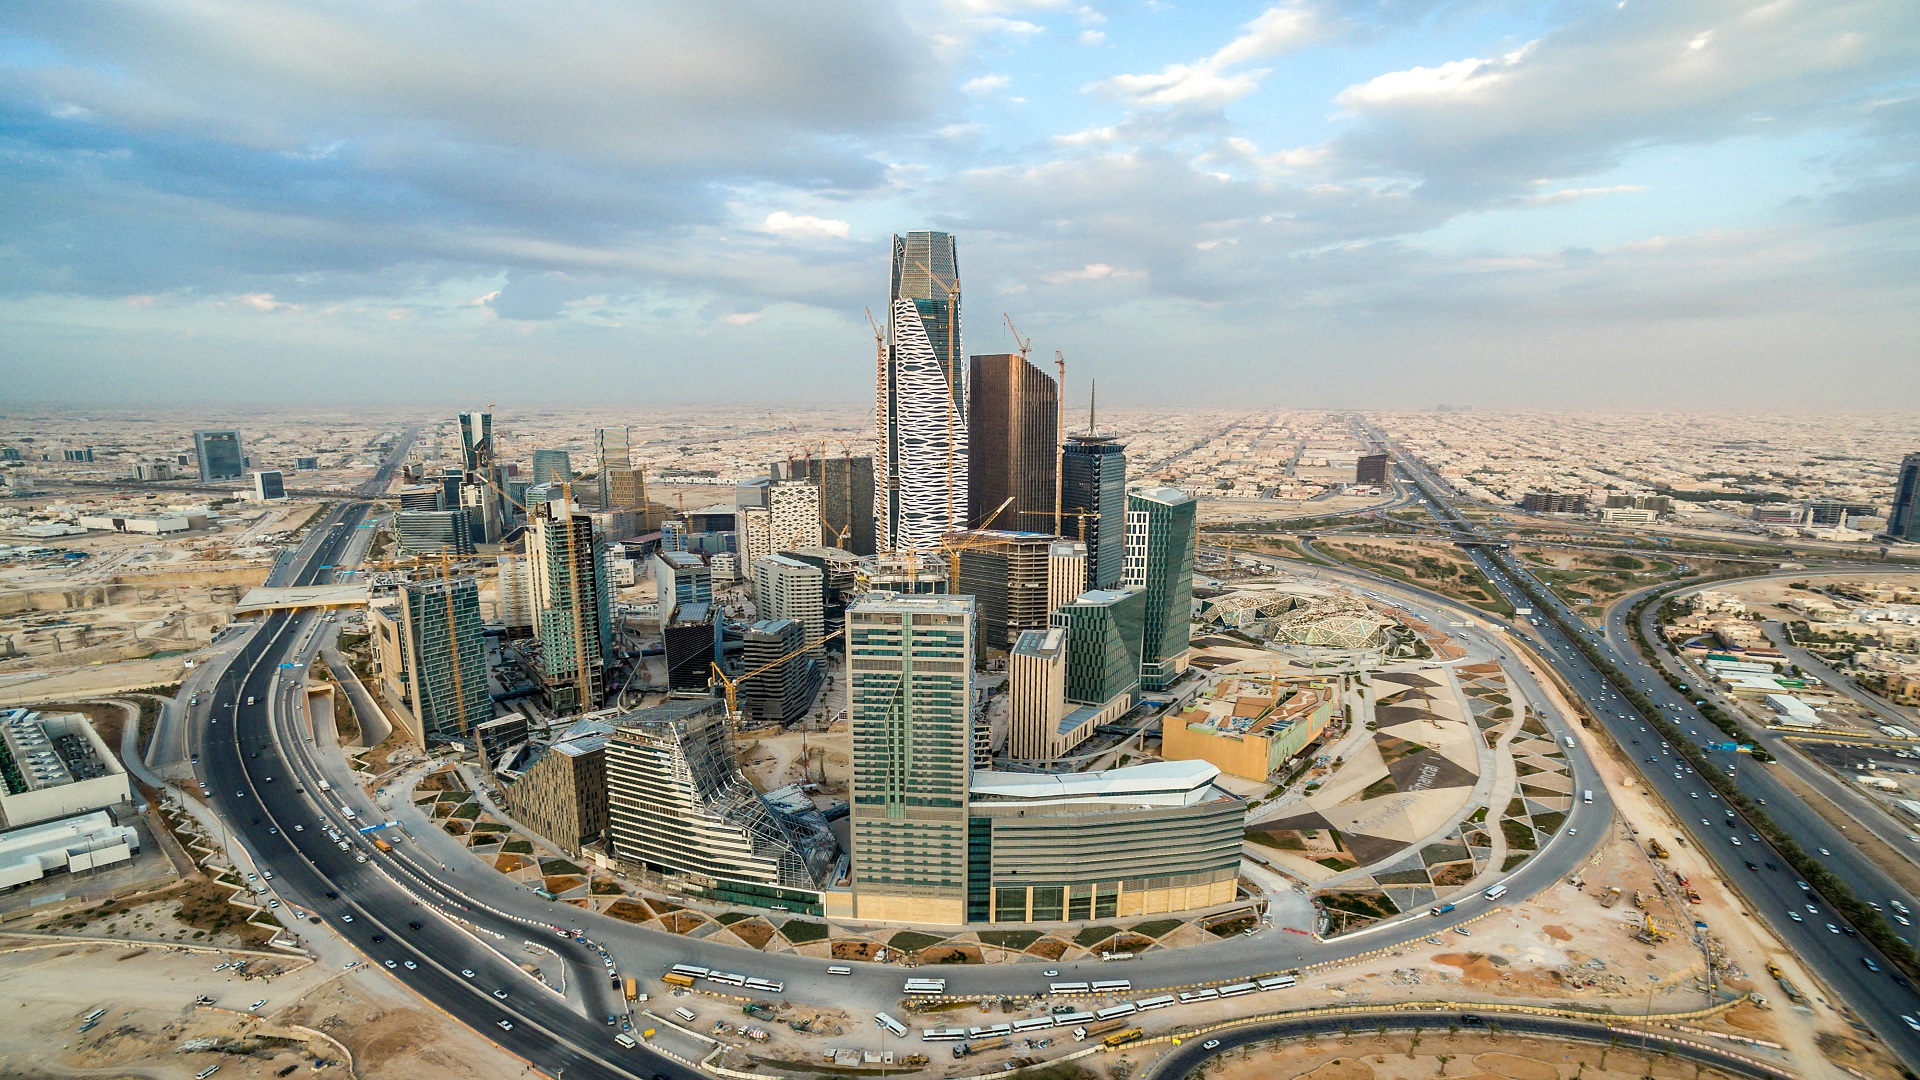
(264, 599)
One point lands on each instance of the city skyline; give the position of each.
(1309, 202)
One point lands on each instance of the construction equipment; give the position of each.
(1773, 969)
(1024, 343)
(1122, 1038)
(1639, 899)
(1610, 897)
(731, 686)
(1657, 849)
(953, 543)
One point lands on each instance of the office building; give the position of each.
(515, 589)
(449, 482)
(756, 536)
(496, 738)
(152, 470)
(1066, 572)
(1553, 502)
(434, 657)
(85, 842)
(476, 441)
(622, 487)
(1140, 840)
(909, 708)
(269, 486)
(680, 577)
(1371, 470)
(306, 464)
(793, 515)
(1659, 504)
(55, 765)
(219, 455)
(692, 644)
(785, 680)
(571, 607)
(1161, 533)
(419, 497)
(1006, 573)
(1250, 725)
(679, 807)
(1093, 478)
(751, 492)
(1831, 512)
(562, 793)
(1013, 443)
(789, 588)
(1106, 632)
(921, 488)
(1903, 518)
(431, 532)
(1042, 725)
(846, 498)
(551, 467)
(83, 455)
(724, 566)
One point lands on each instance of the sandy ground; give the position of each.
(152, 1021)
(1370, 1057)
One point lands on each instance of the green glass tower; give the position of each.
(1105, 631)
(1161, 532)
(445, 656)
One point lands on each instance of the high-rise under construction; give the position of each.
(572, 616)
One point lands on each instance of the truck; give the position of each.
(1081, 1034)
(325, 786)
(757, 1010)
(1442, 909)
(1122, 1038)
(673, 978)
(1610, 897)
(633, 988)
(382, 845)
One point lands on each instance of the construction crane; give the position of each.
(731, 686)
(1024, 343)
(1059, 438)
(953, 543)
(840, 540)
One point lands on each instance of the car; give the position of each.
(501, 994)
(253, 877)
(1868, 963)
(1824, 851)
(1911, 1022)
(1753, 866)
(1214, 1044)
(273, 832)
(331, 895)
(1463, 931)
(346, 918)
(506, 1025)
(1813, 909)
(391, 964)
(268, 874)
(1795, 916)
(299, 828)
(378, 938)
(1849, 931)
(413, 926)
(1051, 973)
(466, 973)
(411, 966)
(1902, 920)
(273, 903)
(1707, 823)
(1691, 794)
(1472, 1019)
(1832, 929)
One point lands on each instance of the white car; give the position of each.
(466, 972)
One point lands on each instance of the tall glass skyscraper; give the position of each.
(572, 614)
(1093, 493)
(921, 414)
(1903, 519)
(1013, 442)
(552, 467)
(1161, 532)
(219, 455)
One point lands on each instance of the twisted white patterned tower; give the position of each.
(922, 493)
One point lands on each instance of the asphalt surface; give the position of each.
(1838, 957)
(1189, 1056)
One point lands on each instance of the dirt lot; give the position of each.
(1370, 1057)
(311, 1015)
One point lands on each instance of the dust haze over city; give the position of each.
(1074, 541)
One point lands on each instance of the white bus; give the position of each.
(690, 971)
(839, 969)
(1064, 1019)
(1160, 1002)
(943, 1034)
(1237, 989)
(1067, 988)
(989, 1031)
(1032, 1023)
(1114, 1012)
(926, 986)
(1112, 986)
(1279, 982)
(889, 1023)
(1189, 997)
(1495, 893)
(685, 1014)
(726, 978)
(767, 986)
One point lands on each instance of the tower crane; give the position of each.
(730, 686)
(1024, 343)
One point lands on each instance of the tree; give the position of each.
(1444, 1058)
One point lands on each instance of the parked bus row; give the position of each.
(1084, 1023)
(684, 975)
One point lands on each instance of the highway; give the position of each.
(1819, 935)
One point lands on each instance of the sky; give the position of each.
(1330, 203)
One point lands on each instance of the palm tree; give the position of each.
(1444, 1058)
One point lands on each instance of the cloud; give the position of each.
(985, 84)
(1092, 272)
(1566, 195)
(788, 224)
(743, 318)
(1092, 37)
(1454, 80)
(264, 302)
(1210, 81)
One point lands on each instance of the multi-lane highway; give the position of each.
(1865, 979)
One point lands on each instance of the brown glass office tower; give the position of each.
(1012, 449)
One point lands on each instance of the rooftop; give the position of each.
(1155, 783)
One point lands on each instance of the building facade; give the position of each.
(1162, 530)
(1903, 518)
(921, 491)
(269, 486)
(789, 588)
(1093, 478)
(562, 795)
(219, 455)
(551, 467)
(1106, 632)
(1066, 572)
(621, 486)
(680, 577)
(1007, 575)
(846, 498)
(572, 611)
(784, 680)
(1013, 447)
(680, 807)
(433, 657)
(1142, 840)
(909, 706)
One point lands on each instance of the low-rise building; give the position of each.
(55, 766)
(1144, 839)
(1249, 726)
(71, 844)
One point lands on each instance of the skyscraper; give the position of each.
(1903, 519)
(1371, 469)
(794, 509)
(219, 455)
(922, 414)
(441, 666)
(621, 486)
(846, 498)
(1013, 421)
(788, 588)
(1161, 533)
(908, 705)
(1093, 476)
(1066, 572)
(1105, 632)
(476, 440)
(269, 486)
(571, 612)
(1006, 573)
(552, 467)
(783, 690)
